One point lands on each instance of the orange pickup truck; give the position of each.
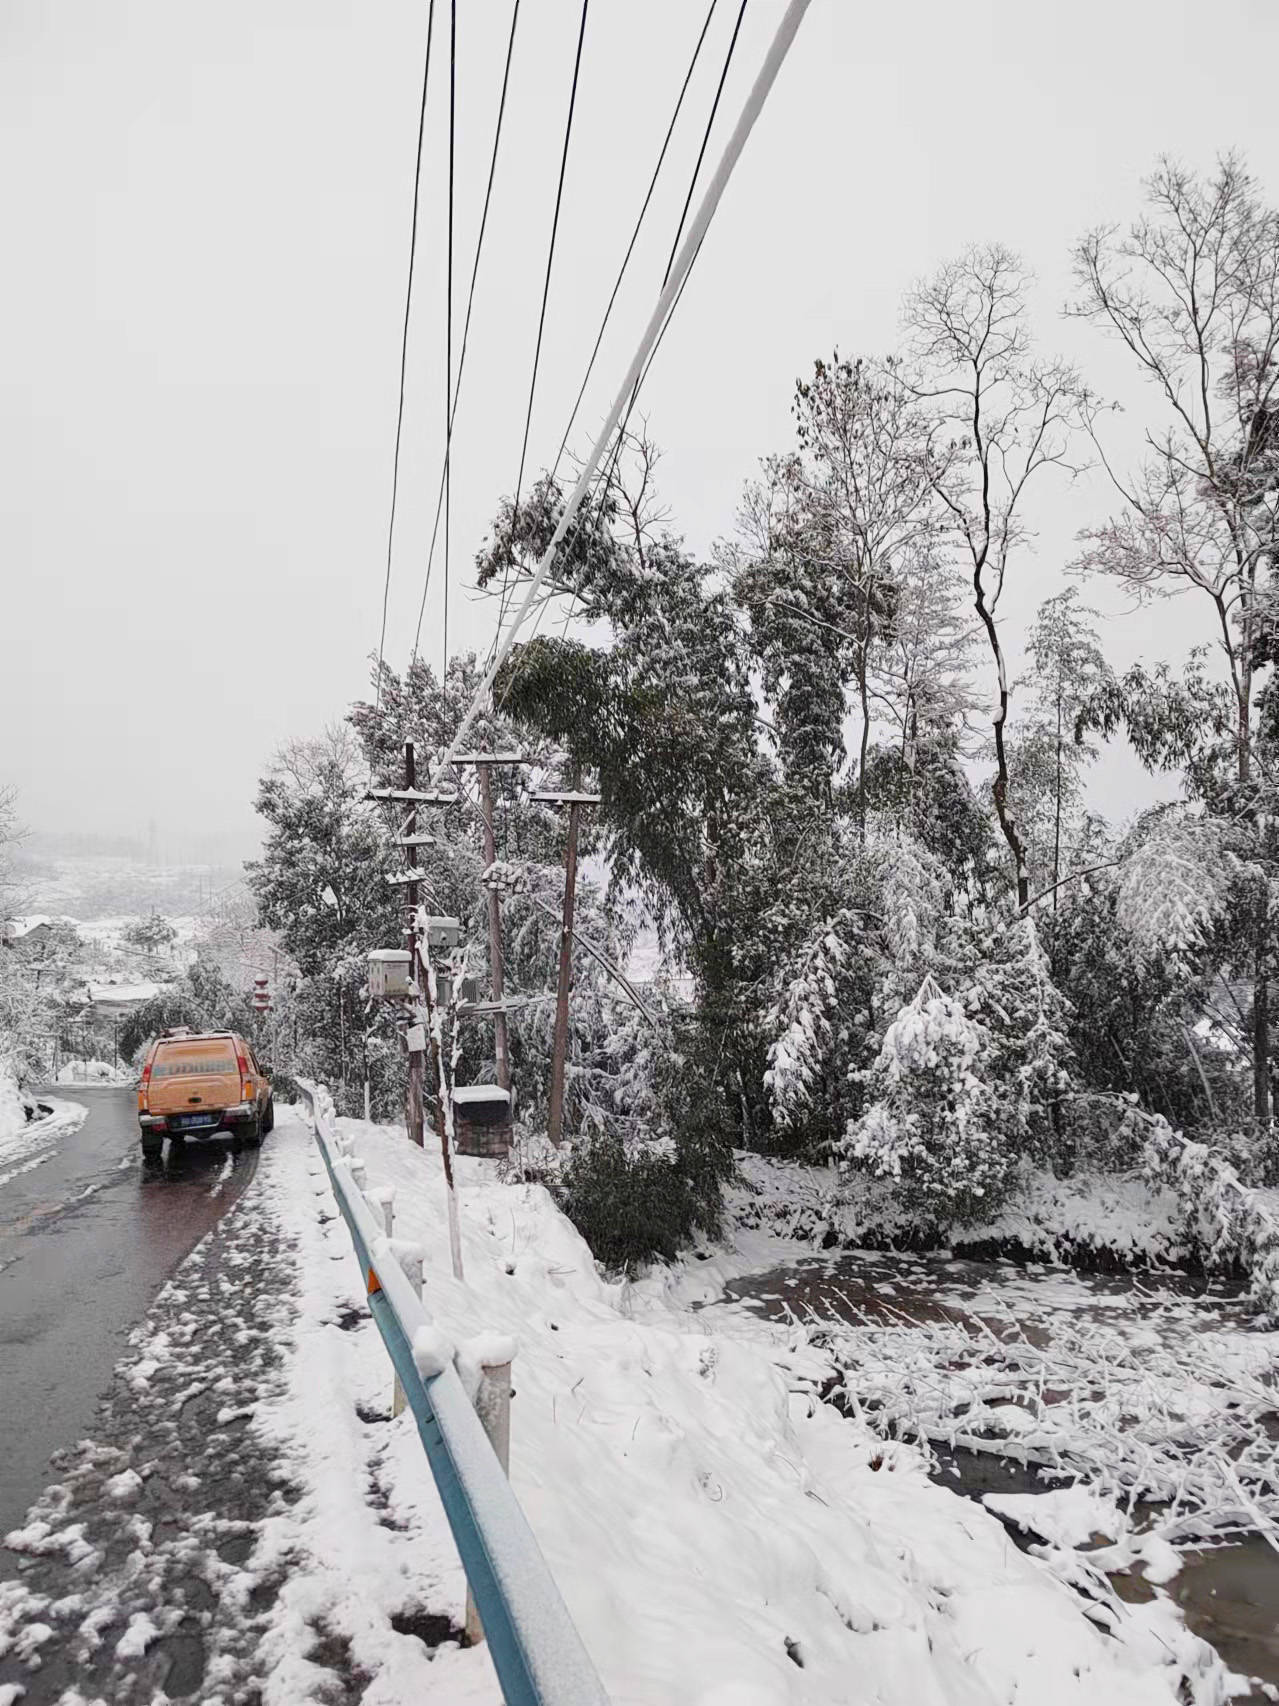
(199, 1086)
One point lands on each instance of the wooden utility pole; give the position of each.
(414, 1120)
(574, 802)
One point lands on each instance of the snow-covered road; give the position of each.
(87, 1238)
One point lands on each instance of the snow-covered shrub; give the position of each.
(932, 1122)
(798, 1024)
(636, 1202)
(1230, 1223)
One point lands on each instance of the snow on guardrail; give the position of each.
(537, 1652)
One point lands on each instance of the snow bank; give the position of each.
(719, 1534)
(1107, 1220)
(26, 1143)
(13, 1106)
(94, 1072)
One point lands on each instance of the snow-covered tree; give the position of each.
(1010, 993)
(1002, 417)
(1191, 292)
(27, 1019)
(800, 1024)
(1048, 752)
(826, 536)
(1175, 886)
(932, 1123)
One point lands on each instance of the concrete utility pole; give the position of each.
(574, 801)
(501, 1054)
(484, 762)
(414, 1119)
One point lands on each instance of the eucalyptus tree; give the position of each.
(1191, 291)
(1001, 418)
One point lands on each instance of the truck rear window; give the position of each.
(189, 1065)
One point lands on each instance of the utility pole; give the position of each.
(574, 801)
(501, 1054)
(484, 762)
(414, 1120)
(410, 840)
(425, 970)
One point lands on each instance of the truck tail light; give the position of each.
(144, 1087)
(241, 1060)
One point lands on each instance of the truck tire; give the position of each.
(152, 1149)
(253, 1134)
(268, 1118)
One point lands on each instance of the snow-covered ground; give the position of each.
(718, 1532)
(26, 1143)
(722, 1536)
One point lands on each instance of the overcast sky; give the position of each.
(206, 215)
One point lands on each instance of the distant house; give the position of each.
(27, 932)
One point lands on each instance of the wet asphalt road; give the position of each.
(87, 1238)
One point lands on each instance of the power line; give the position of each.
(404, 346)
(546, 288)
(630, 247)
(599, 495)
(448, 367)
(706, 136)
(753, 105)
(692, 185)
(550, 257)
(466, 328)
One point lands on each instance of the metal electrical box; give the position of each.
(443, 932)
(482, 1120)
(389, 973)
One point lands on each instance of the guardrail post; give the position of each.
(381, 1199)
(492, 1400)
(410, 1258)
(359, 1172)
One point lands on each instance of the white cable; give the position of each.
(697, 230)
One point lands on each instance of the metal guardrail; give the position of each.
(537, 1651)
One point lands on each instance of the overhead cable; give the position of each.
(604, 483)
(448, 368)
(751, 109)
(404, 345)
(546, 286)
(706, 136)
(466, 326)
(630, 247)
